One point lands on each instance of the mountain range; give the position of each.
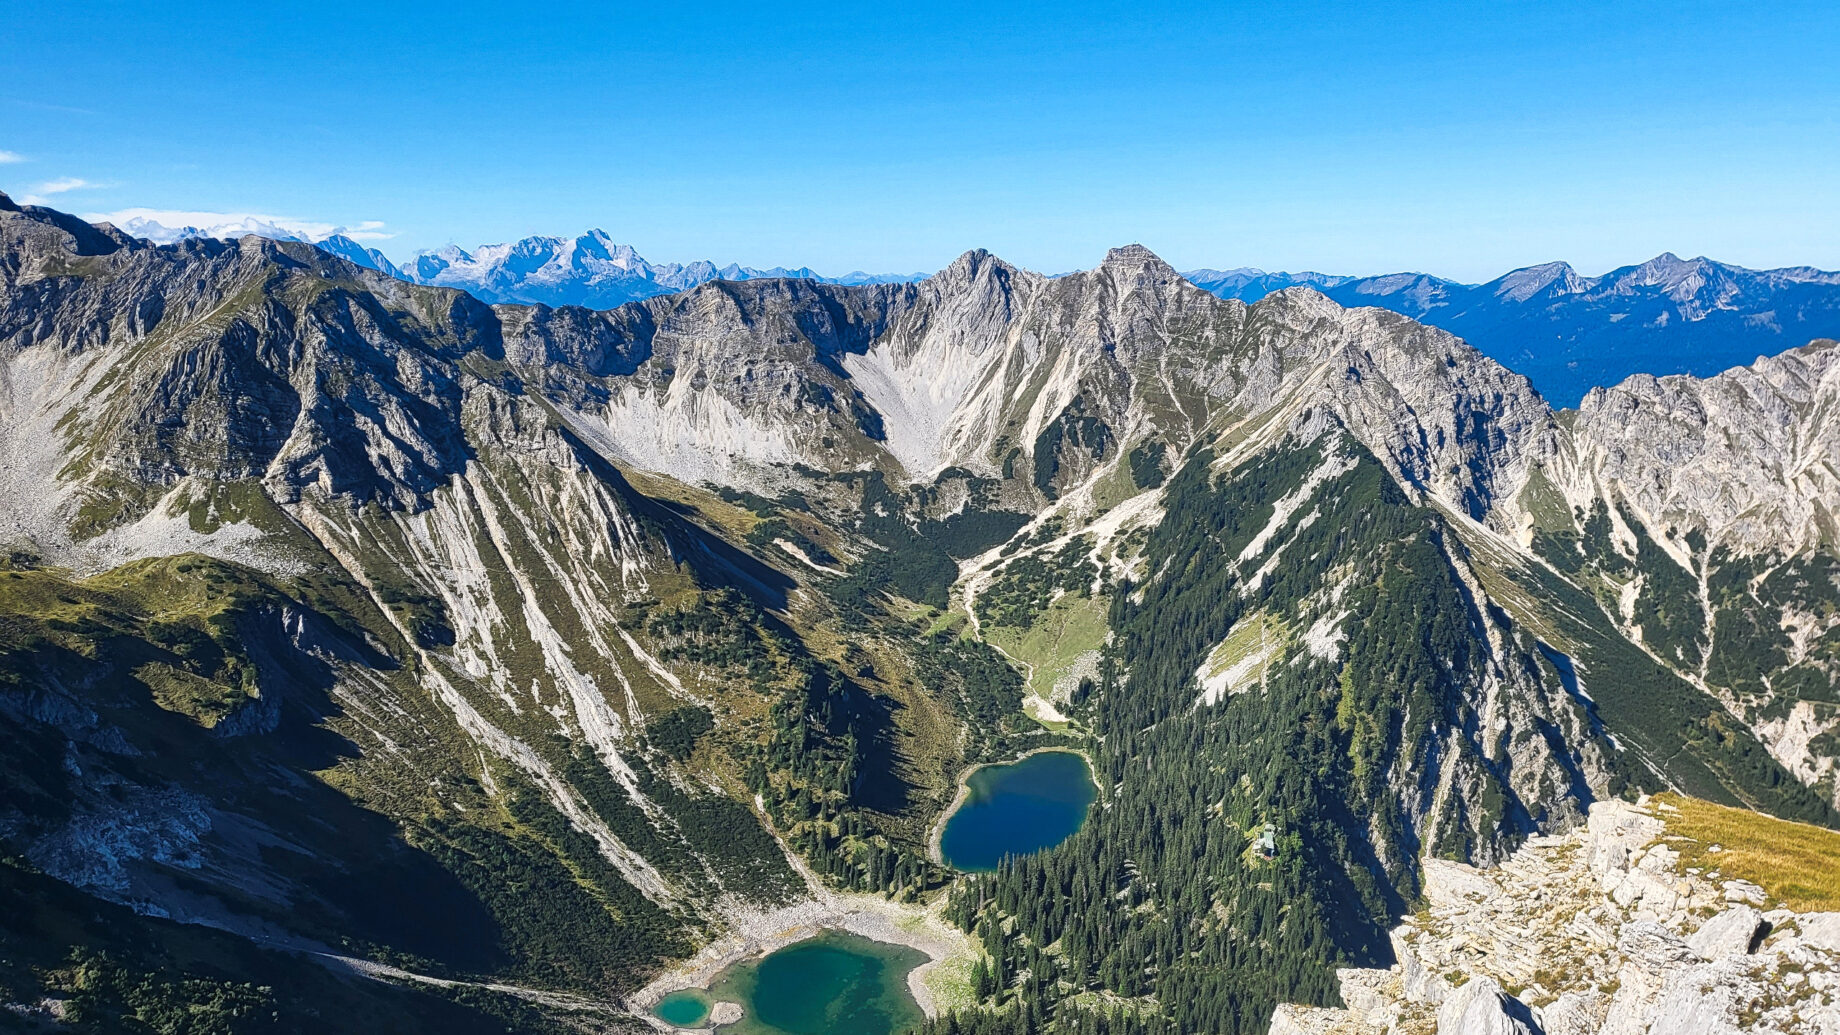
(1571, 333)
(588, 270)
(539, 649)
(1566, 332)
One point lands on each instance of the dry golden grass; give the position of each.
(1794, 863)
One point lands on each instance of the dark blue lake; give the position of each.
(1018, 808)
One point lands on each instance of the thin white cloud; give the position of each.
(44, 192)
(64, 185)
(369, 230)
(11, 157)
(168, 225)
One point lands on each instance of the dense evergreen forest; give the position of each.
(1160, 916)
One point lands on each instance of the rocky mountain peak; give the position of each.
(425, 266)
(6, 203)
(354, 252)
(973, 267)
(1681, 280)
(1137, 259)
(1662, 267)
(1523, 284)
(967, 265)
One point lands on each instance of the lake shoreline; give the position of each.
(935, 838)
(757, 933)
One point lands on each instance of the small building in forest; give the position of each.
(1267, 844)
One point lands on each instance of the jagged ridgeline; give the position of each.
(543, 645)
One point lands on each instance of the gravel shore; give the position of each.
(757, 933)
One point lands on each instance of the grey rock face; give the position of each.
(1749, 456)
(1718, 499)
(1735, 932)
(1480, 1007)
(217, 369)
(1821, 930)
(1556, 920)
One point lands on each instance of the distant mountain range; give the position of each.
(589, 270)
(1569, 333)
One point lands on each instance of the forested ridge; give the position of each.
(1159, 916)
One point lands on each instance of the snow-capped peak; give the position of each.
(590, 269)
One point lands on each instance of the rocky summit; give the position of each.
(384, 650)
(1601, 929)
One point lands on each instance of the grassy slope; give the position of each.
(1259, 634)
(398, 855)
(170, 622)
(1050, 645)
(1796, 864)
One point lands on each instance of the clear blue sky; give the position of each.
(1459, 139)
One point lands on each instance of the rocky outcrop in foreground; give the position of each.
(1597, 932)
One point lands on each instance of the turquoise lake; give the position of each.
(686, 1009)
(833, 984)
(1018, 808)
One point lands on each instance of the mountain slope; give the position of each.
(274, 385)
(339, 605)
(1701, 514)
(1633, 924)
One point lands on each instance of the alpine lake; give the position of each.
(830, 984)
(837, 983)
(1017, 808)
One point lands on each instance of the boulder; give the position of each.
(1743, 891)
(1735, 932)
(1418, 982)
(1821, 930)
(1699, 1001)
(1574, 1013)
(1364, 991)
(1480, 1007)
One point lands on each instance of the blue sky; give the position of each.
(1458, 139)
